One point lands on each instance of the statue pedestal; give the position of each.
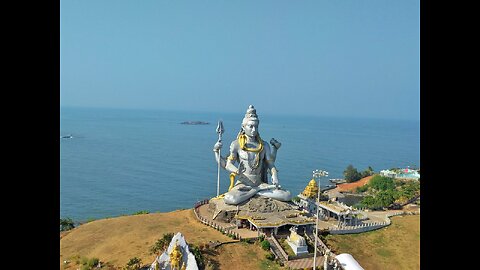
(258, 214)
(298, 250)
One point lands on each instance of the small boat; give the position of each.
(338, 181)
(66, 137)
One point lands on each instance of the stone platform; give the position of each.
(261, 211)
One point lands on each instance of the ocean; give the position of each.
(121, 161)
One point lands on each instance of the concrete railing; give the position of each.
(225, 230)
(358, 228)
(320, 243)
(365, 227)
(200, 203)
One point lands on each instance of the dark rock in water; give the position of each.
(195, 123)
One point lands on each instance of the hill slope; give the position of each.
(394, 247)
(116, 240)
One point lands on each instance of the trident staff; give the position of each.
(219, 132)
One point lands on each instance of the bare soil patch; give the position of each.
(349, 187)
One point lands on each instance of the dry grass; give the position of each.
(242, 256)
(394, 247)
(116, 240)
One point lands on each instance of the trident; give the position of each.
(219, 132)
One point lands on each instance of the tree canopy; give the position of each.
(351, 174)
(66, 224)
(385, 192)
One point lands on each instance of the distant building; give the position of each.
(388, 173)
(406, 173)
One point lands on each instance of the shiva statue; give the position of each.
(255, 161)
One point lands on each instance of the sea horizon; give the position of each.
(279, 114)
(123, 160)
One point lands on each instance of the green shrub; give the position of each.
(381, 183)
(362, 189)
(270, 256)
(87, 264)
(198, 256)
(66, 224)
(92, 262)
(83, 260)
(133, 264)
(161, 243)
(265, 244)
(141, 212)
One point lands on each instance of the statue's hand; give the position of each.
(241, 168)
(275, 143)
(217, 147)
(275, 180)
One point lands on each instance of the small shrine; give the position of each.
(176, 257)
(297, 242)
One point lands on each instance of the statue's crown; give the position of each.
(251, 113)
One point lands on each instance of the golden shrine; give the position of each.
(311, 189)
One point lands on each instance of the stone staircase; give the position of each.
(276, 249)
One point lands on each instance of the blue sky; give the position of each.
(344, 58)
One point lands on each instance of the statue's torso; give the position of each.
(254, 173)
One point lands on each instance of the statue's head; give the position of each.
(250, 122)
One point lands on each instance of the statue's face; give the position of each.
(251, 128)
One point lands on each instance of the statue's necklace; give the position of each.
(242, 139)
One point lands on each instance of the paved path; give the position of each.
(305, 263)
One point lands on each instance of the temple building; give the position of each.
(345, 215)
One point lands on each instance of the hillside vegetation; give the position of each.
(384, 192)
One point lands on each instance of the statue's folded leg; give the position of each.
(239, 194)
(277, 194)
